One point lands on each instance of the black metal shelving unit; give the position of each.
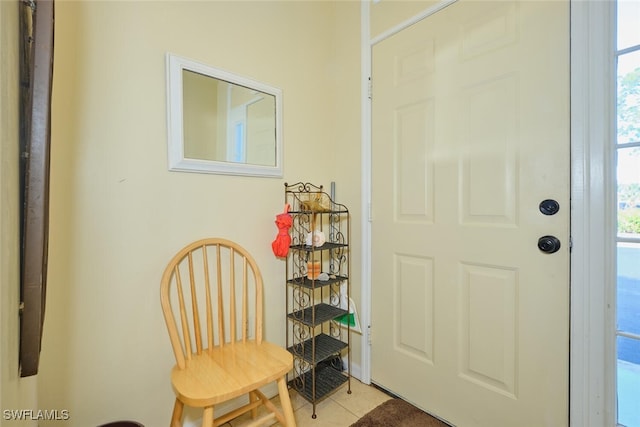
(316, 336)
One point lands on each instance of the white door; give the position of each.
(470, 133)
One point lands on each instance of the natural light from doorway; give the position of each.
(628, 213)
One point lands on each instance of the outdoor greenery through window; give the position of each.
(628, 210)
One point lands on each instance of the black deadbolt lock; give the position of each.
(549, 207)
(549, 244)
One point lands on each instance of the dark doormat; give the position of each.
(397, 412)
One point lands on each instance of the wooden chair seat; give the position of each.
(228, 372)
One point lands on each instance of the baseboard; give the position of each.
(356, 371)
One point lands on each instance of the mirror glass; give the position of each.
(222, 123)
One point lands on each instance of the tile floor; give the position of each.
(340, 409)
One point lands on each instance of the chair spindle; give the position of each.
(207, 281)
(221, 337)
(186, 334)
(244, 299)
(194, 306)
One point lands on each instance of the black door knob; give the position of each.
(549, 207)
(549, 244)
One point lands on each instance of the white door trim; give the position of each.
(365, 292)
(592, 361)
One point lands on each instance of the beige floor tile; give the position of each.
(362, 399)
(297, 401)
(340, 409)
(328, 414)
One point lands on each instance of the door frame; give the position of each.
(592, 314)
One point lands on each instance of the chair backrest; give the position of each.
(214, 287)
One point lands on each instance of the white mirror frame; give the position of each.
(177, 160)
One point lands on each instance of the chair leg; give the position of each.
(176, 417)
(207, 417)
(252, 398)
(285, 401)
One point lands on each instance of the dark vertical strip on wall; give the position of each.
(35, 155)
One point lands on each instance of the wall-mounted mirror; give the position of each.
(222, 123)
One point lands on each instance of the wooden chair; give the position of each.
(214, 287)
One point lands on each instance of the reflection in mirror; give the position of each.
(227, 122)
(222, 123)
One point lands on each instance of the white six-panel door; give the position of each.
(470, 133)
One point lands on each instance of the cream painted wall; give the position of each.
(118, 214)
(15, 392)
(347, 157)
(389, 13)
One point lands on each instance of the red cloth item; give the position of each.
(282, 242)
